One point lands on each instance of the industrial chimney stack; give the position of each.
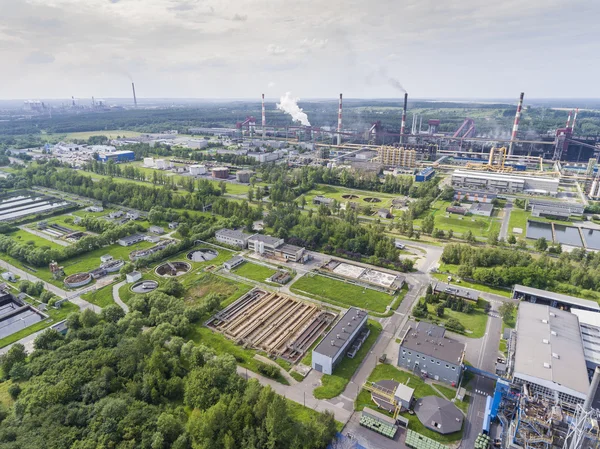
(264, 118)
(587, 405)
(403, 125)
(574, 120)
(134, 97)
(513, 137)
(339, 128)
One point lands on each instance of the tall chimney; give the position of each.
(403, 125)
(264, 118)
(134, 97)
(515, 129)
(73, 101)
(574, 119)
(339, 128)
(93, 102)
(587, 405)
(569, 118)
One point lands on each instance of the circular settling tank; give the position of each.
(173, 269)
(350, 197)
(372, 200)
(144, 286)
(78, 280)
(202, 255)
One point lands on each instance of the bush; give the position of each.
(268, 370)
(14, 391)
(454, 325)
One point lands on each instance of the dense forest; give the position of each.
(110, 384)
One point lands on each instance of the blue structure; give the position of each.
(425, 175)
(117, 156)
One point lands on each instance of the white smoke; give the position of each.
(289, 104)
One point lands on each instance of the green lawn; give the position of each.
(475, 323)
(389, 372)
(254, 271)
(333, 385)
(25, 237)
(102, 297)
(299, 413)
(55, 317)
(341, 293)
(82, 213)
(518, 219)
(479, 226)
(66, 221)
(111, 134)
(467, 284)
(338, 192)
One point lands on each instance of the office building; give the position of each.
(232, 237)
(504, 183)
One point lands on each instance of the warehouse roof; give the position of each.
(486, 207)
(589, 325)
(132, 238)
(233, 234)
(267, 239)
(566, 299)
(344, 328)
(290, 249)
(461, 292)
(549, 347)
(425, 340)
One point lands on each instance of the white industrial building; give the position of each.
(504, 183)
(232, 237)
(589, 326)
(197, 170)
(197, 144)
(338, 341)
(148, 162)
(548, 356)
(161, 164)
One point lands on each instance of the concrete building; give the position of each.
(291, 253)
(232, 237)
(504, 183)
(161, 164)
(235, 261)
(425, 350)
(197, 144)
(548, 355)
(265, 245)
(134, 276)
(558, 300)
(116, 214)
(482, 209)
(156, 230)
(148, 162)
(266, 157)
(330, 352)
(453, 290)
(319, 199)
(95, 209)
(554, 209)
(131, 240)
(397, 156)
(106, 258)
(404, 395)
(384, 213)
(220, 172)
(425, 175)
(439, 414)
(133, 215)
(173, 225)
(117, 156)
(244, 176)
(589, 327)
(197, 170)
(472, 196)
(9, 276)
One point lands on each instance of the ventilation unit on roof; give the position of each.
(552, 314)
(553, 333)
(332, 342)
(546, 365)
(545, 321)
(545, 341)
(555, 355)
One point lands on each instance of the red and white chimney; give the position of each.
(339, 127)
(403, 124)
(569, 118)
(515, 129)
(574, 119)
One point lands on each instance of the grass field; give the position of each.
(337, 193)
(333, 385)
(102, 297)
(55, 317)
(479, 226)
(254, 271)
(481, 287)
(341, 293)
(206, 283)
(111, 134)
(389, 372)
(518, 219)
(83, 213)
(66, 221)
(475, 322)
(26, 237)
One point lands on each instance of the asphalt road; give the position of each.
(506, 220)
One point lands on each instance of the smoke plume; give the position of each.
(396, 85)
(289, 104)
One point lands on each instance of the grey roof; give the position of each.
(231, 233)
(572, 300)
(466, 293)
(441, 348)
(290, 249)
(439, 414)
(486, 207)
(404, 392)
(549, 348)
(134, 273)
(234, 260)
(348, 324)
(323, 199)
(464, 192)
(132, 238)
(545, 204)
(266, 239)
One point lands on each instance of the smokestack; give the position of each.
(134, 97)
(574, 119)
(403, 125)
(73, 101)
(569, 118)
(339, 128)
(513, 137)
(587, 405)
(93, 102)
(264, 118)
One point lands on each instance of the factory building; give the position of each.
(557, 300)
(319, 199)
(589, 327)
(426, 351)
(425, 175)
(232, 237)
(472, 196)
(482, 209)
(274, 247)
(244, 176)
(197, 144)
(131, 240)
(548, 356)
(339, 340)
(197, 170)
(503, 183)
(220, 172)
(554, 209)
(117, 156)
(397, 156)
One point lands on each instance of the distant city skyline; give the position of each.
(226, 49)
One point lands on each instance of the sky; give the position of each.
(313, 48)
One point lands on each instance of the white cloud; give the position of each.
(275, 50)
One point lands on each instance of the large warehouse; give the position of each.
(548, 356)
(535, 295)
(504, 183)
(339, 340)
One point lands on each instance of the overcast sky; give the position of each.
(314, 48)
